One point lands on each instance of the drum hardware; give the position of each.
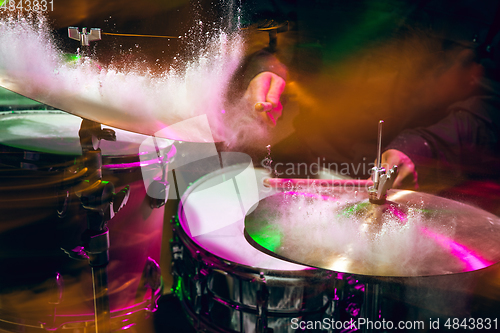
(159, 188)
(58, 295)
(63, 206)
(371, 307)
(347, 299)
(262, 299)
(382, 181)
(199, 278)
(200, 281)
(177, 250)
(151, 279)
(84, 37)
(158, 193)
(357, 297)
(97, 198)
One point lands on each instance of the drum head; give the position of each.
(56, 132)
(198, 211)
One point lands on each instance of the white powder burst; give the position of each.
(140, 101)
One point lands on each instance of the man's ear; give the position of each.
(475, 71)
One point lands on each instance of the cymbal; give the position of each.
(159, 123)
(413, 234)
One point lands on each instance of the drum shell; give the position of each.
(41, 215)
(223, 296)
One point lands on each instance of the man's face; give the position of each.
(440, 82)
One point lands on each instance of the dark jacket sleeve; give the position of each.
(464, 144)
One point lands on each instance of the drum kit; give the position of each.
(81, 234)
(68, 191)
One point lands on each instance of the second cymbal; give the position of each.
(413, 234)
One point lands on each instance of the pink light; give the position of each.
(312, 195)
(398, 213)
(127, 327)
(471, 260)
(131, 310)
(308, 268)
(130, 165)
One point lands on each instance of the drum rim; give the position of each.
(245, 271)
(122, 162)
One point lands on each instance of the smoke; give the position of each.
(127, 96)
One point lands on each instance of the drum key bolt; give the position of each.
(262, 302)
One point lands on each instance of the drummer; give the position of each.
(464, 143)
(345, 79)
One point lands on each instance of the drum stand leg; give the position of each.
(97, 248)
(98, 199)
(102, 314)
(371, 307)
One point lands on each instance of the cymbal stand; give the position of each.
(100, 203)
(382, 180)
(158, 189)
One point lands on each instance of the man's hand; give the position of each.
(407, 176)
(266, 88)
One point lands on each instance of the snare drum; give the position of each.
(223, 282)
(227, 285)
(41, 287)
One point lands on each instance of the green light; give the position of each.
(69, 57)
(374, 21)
(433, 211)
(267, 237)
(177, 289)
(351, 210)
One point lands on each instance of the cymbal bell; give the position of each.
(413, 234)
